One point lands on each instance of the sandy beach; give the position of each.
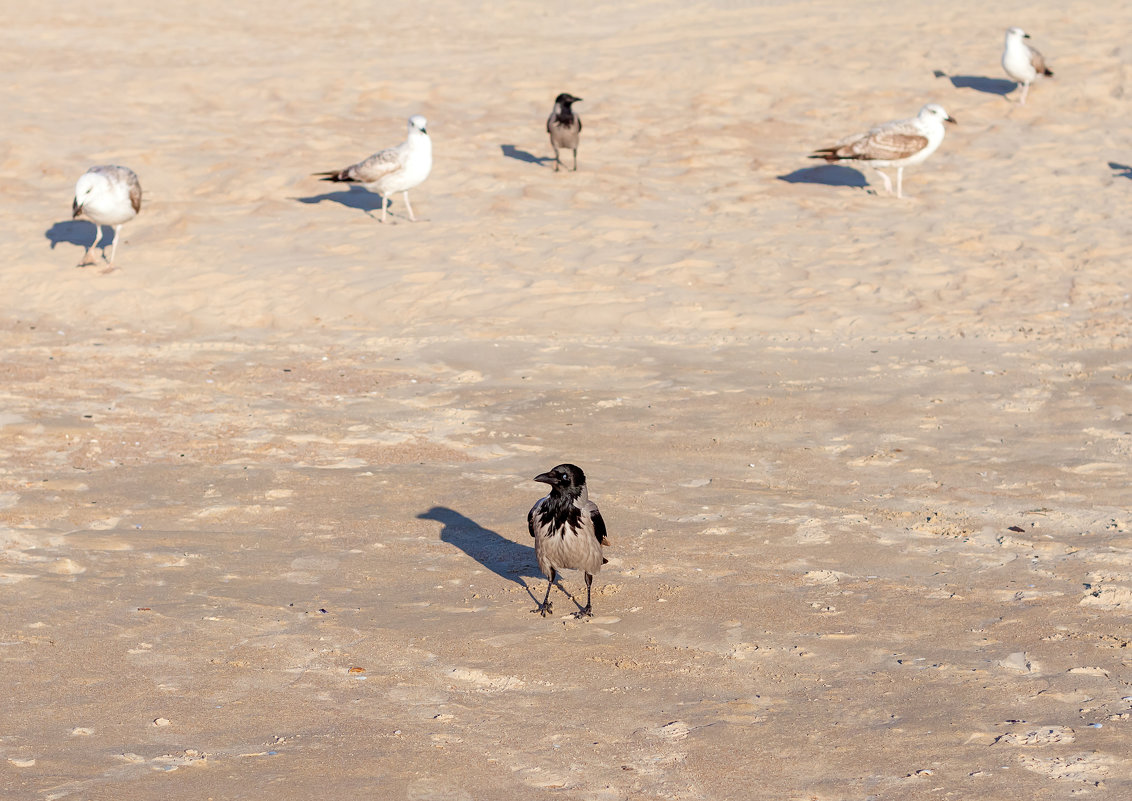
(865, 461)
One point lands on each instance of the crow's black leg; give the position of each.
(575, 159)
(588, 611)
(545, 607)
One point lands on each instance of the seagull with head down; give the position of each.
(106, 195)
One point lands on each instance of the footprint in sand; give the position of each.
(676, 730)
(1108, 597)
(823, 576)
(542, 778)
(811, 532)
(484, 682)
(1085, 767)
(1047, 735)
(1020, 662)
(432, 788)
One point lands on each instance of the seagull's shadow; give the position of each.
(354, 197)
(980, 83)
(76, 232)
(827, 174)
(501, 556)
(512, 152)
(1121, 170)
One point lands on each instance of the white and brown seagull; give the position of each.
(1022, 62)
(395, 169)
(106, 195)
(898, 144)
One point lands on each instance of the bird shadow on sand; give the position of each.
(512, 152)
(501, 556)
(1120, 170)
(76, 232)
(828, 175)
(355, 197)
(980, 83)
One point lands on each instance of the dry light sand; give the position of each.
(865, 462)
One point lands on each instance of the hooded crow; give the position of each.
(395, 169)
(564, 127)
(106, 195)
(568, 530)
(1022, 62)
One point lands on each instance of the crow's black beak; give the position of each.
(545, 478)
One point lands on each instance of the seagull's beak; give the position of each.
(76, 208)
(952, 120)
(1025, 36)
(545, 478)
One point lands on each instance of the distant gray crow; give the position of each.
(564, 127)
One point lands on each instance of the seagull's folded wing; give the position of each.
(884, 145)
(135, 194)
(376, 166)
(1038, 63)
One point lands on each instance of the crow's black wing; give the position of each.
(599, 523)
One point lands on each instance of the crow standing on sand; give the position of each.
(395, 169)
(568, 530)
(564, 127)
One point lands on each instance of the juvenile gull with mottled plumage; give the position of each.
(395, 169)
(898, 144)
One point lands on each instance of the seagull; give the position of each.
(568, 530)
(395, 169)
(1022, 62)
(106, 195)
(898, 144)
(564, 127)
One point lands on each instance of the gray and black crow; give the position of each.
(568, 530)
(564, 127)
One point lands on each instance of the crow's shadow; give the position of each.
(1120, 170)
(501, 556)
(76, 232)
(980, 83)
(512, 152)
(355, 197)
(827, 174)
